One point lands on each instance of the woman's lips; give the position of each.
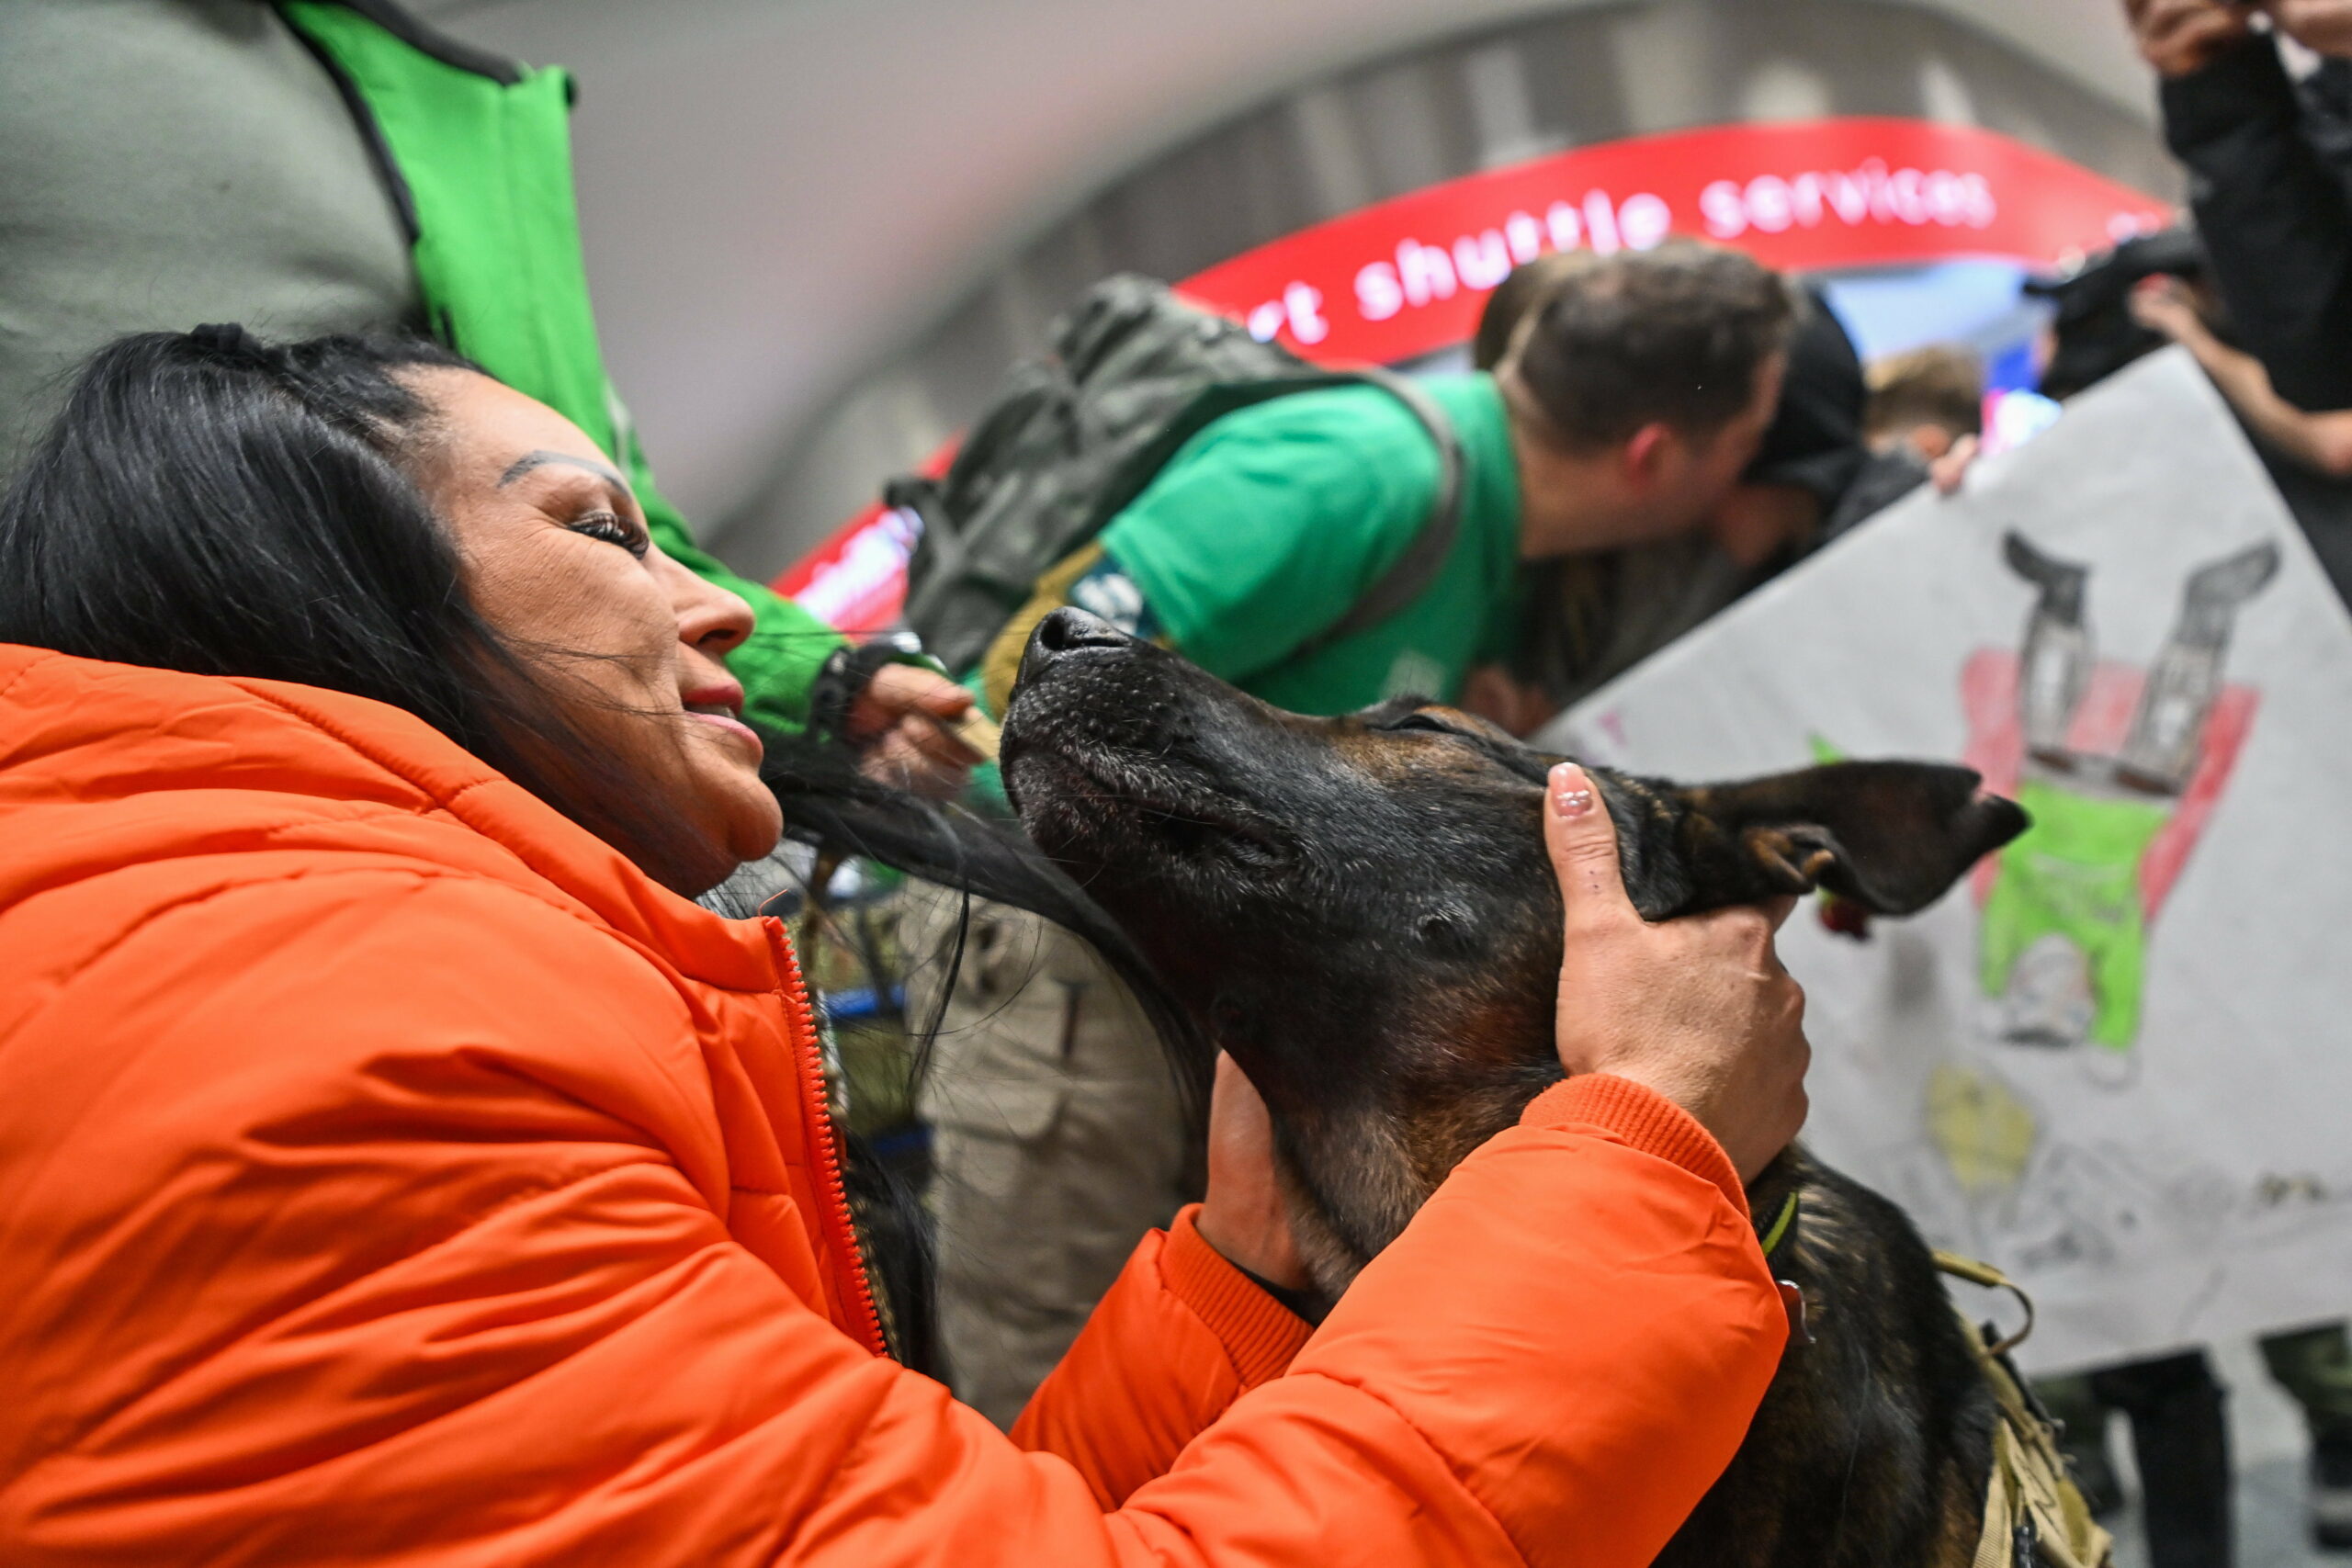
(720, 706)
(728, 722)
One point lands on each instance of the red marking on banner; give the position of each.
(2102, 722)
(2225, 731)
(1995, 748)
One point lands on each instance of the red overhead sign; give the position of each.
(1408, 276)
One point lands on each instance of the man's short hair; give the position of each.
(1515, 297)
(1675, 336)
(1937, 385)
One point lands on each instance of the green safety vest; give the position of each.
(478, 152)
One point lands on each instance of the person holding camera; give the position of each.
(2270, 165)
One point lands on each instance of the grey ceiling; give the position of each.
(783, 198)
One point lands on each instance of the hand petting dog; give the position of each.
(1242, 1214)
(1697, 1008)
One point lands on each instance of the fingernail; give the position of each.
(1570, 795)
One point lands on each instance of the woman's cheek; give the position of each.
(726, 794)
(763, 826)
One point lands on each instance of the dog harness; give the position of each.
(2034, 1515)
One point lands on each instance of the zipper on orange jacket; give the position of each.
(824, 1143)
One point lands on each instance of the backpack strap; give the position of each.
(1419, 566)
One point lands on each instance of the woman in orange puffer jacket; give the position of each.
(395, 1168)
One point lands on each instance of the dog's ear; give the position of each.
(1893, 837)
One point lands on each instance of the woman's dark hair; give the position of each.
(828, 804)
(209, 503)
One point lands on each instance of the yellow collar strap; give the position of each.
(1781, 1223)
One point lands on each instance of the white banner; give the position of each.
(2118, 1064)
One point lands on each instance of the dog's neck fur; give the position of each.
(1353, 1175)
(1369, 1192)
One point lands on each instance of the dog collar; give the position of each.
(1779, 1232)
(1792, 1296)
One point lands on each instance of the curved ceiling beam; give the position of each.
(775, 196)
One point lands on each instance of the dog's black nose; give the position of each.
(1068, 629)
(1063, 632)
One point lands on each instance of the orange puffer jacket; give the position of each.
(390, 1174)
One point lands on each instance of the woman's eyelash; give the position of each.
(614, 529)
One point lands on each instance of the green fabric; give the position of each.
(2077, 873)
(2314, 1365)
(1268, 526)
(489, 168)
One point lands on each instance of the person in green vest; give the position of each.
(1628, 407)
(308, 167)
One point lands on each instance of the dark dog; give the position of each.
(1362, 911)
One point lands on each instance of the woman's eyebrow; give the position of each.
(539, 459)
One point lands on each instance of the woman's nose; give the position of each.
(710, 619)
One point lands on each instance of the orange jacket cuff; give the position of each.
(1257, 1332)
(1642, 1117)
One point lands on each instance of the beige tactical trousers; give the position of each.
(1058, 1138)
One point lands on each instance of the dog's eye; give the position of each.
(1425, 722)
(1449, 929)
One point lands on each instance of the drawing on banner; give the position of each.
(1984, 1129)
(2113, 1064)
(2119, 767)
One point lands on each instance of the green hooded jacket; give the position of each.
(477, 151)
